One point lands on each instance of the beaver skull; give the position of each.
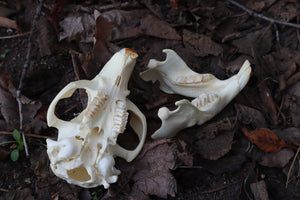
(87, 145)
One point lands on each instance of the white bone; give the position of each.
(86, 146)
(212, 94)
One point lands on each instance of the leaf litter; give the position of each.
(211, 36)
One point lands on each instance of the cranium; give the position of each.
(212, 94)
(87, 145)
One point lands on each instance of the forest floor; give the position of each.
(247, 151)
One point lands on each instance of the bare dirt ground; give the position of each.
(247, 151)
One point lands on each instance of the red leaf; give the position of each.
(103, 35)
(174, 4)
(265, 139)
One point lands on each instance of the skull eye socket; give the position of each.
(79, 174)
(68, 108)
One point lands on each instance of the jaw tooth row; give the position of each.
(95, 106)
(196, 78)
(204, 99)
(121, 117)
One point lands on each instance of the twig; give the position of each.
(4, 190)
(261, 16)
(28, 135)
(218, 188)
(290, 170)
(26, 64)
(13, 36)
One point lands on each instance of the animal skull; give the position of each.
(86, 146)
(212, 94)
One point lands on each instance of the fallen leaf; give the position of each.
(291, 106)
(56, 13)
(20, 194)
(283, 11)
(250, 116)
(4, 155)
(153, 176)
(78, 27)
(268, 103)
(277, 159)
(102, 48)
(213, 141)
(174, 4)
(252, 42)
(265, 139)
(46, 37)
(290, 135)
(153, 169)
(235, 65)
(10, 111)
(8, 23)
(125, 23)
(130, 24)
(259, 190)
(5, 11)
(153, 26)
(201, 45)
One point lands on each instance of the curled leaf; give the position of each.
(266, 140)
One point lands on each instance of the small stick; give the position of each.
(290, 170)
(28, 135)
(13, 36)
(261, 16)
(26, 64)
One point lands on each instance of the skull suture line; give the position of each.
(86, 146)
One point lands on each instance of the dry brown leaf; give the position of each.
(292, 107)
(153, 176)
(265, 139)
(8, 23)
(201, 45)
(259, 190)
(10, 111)
(290, 135)
(253, 41)
(174, 4)
(153, 26)
(46, 37)
(78, 27)
(214, 140)
(277, 159)
(19, 194)
(102, 48)
(151, 170)
(268, 102)
(250, 116)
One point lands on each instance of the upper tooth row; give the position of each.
(121, 117)
(96, 104)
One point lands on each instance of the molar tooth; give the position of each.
(96, 104)
(121, 117)
(194, 79)
(204, 99)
